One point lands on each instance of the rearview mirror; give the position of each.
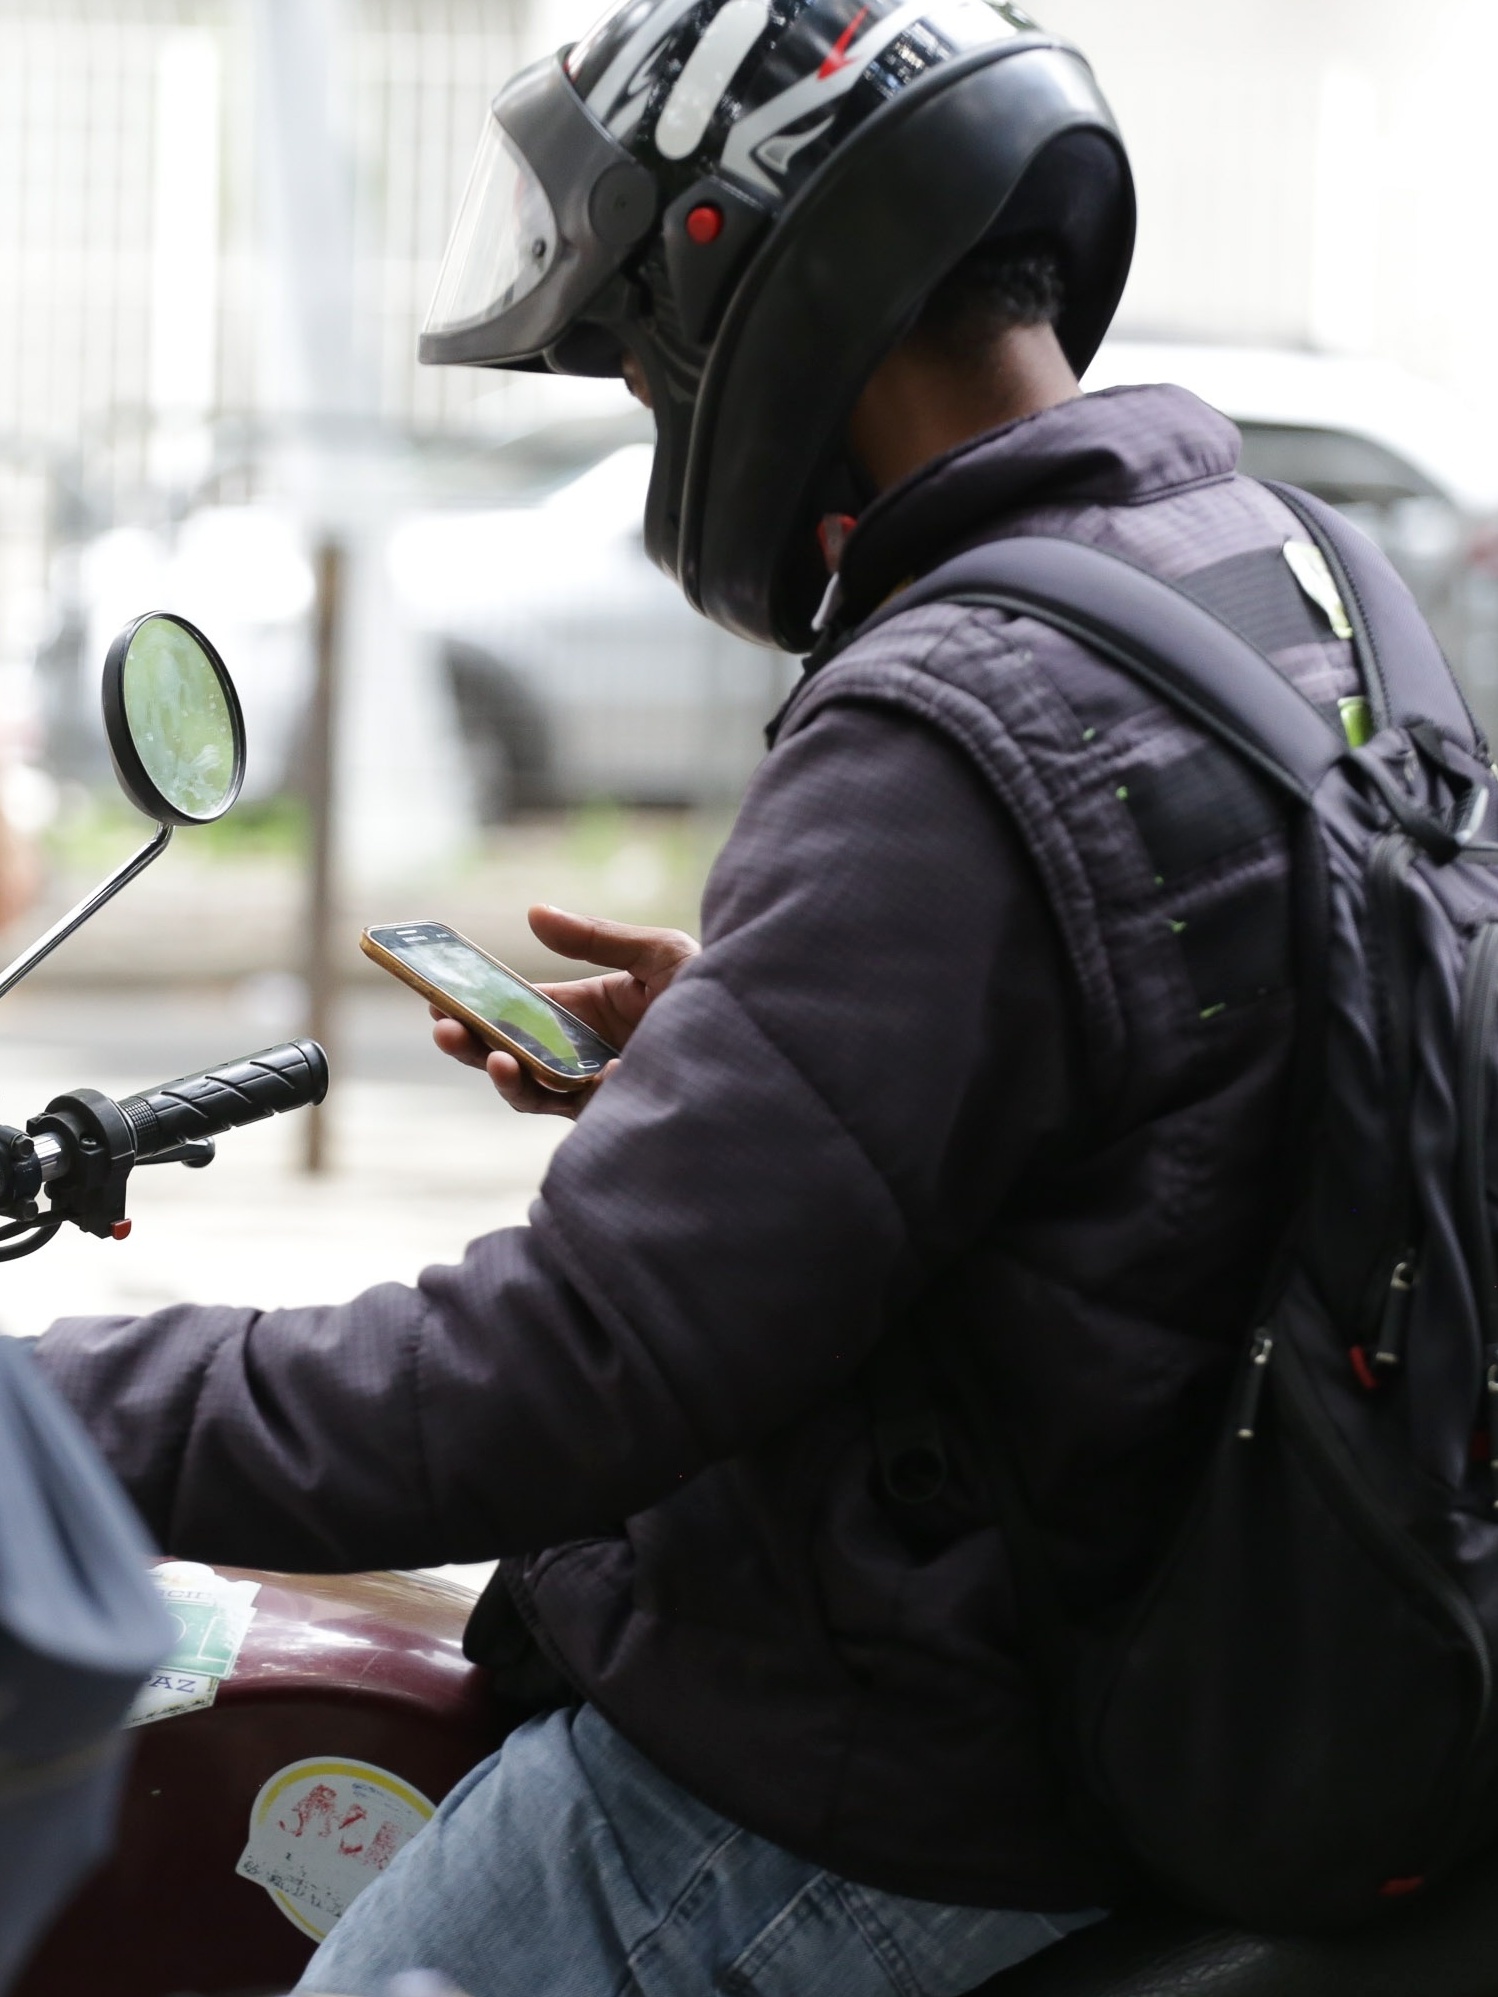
(177, 738)
(173, 722)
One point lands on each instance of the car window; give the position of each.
(1409, 517)
(1335, 465)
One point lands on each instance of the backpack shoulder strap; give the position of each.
(1405, 670)
(1157, 635)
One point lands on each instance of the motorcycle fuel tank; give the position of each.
(307, 1727)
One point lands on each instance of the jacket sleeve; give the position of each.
(816, 1115)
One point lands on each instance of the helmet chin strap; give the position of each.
(833, 530)
(827, 609)
(671, 381)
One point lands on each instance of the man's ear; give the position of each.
(636, 380)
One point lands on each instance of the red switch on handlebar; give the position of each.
(120, 1229)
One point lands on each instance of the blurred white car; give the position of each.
(578, 668)
(575, 668)
(1409, 462)
(241, 573)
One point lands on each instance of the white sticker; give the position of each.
(323, 1830)
(212, 1616)
(1308, 566)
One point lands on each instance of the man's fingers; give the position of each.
(523, 1092)
(567, 934)
(622, 946)
(454, 1039)
(516, 1084)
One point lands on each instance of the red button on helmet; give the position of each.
(705, 223)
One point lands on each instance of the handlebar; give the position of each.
(277, 1079)
(84, 1146)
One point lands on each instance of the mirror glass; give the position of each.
(178, 713)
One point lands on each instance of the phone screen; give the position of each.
(545, 1030)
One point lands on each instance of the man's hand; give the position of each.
(644, 962)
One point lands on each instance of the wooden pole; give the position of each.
(322, 885)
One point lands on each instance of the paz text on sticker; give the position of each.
(212, 1617)
(323, 1830)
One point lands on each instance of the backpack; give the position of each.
(1293, 1724)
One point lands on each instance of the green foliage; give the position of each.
(96, 829)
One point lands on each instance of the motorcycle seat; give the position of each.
(1445, 1945)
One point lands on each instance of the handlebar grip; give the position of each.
(243, 1091)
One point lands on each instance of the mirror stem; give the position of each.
(76, 917)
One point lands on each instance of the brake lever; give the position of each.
(193, 1152)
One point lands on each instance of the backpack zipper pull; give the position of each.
(1395, 1315)
(1253, 1384)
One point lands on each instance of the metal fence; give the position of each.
(138, 284)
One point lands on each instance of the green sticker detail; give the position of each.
(1357, 719)
(209, 1634)
(1211, 1011)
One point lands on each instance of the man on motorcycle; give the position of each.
(970, 1100)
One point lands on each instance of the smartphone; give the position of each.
(501, 1009)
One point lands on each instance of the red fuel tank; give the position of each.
(345, 1712)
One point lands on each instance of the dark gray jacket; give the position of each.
(987, 1043)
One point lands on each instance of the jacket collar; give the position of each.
(1120, 447)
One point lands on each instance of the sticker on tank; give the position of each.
(323, 1829)
(212, 1615)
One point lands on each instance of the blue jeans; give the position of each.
(567, 1866)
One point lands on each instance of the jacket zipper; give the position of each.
(1479, 1008)
(1386, 1309)
(1251, 1393)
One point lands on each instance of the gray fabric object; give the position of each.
(947, 1062)
(80, 1627)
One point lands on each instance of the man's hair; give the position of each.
(996, 287)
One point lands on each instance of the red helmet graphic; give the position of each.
(754, 198)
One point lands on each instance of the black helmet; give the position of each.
(755, 198)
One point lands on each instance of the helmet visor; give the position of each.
(503, 242)
(552, 209)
